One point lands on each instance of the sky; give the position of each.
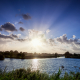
(42, 26)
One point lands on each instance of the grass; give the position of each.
(23, 74)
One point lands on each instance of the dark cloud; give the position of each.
(9, 38)
(20, 22)
(5, 37)
(21, 40)
(21, 29)
(26, 16)
(14, 36)
(0, 29)
(8, 27)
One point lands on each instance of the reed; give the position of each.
(23, 74)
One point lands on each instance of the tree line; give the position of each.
(25, 55)
(70, 55)
(11, 54)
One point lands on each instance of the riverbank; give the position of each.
(23, 74)
(24, 55)
(28, 57)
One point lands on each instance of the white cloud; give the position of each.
(74, 36)
(19, 35)
(47, 31)
(16, 23)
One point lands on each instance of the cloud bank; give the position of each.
(48, 45)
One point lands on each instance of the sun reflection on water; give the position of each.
(35, 60)
(34, 64)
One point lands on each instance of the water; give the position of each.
(49, 65)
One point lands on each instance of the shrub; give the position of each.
(1, 57)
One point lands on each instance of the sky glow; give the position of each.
(43, 26)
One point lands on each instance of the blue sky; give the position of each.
(54, 18)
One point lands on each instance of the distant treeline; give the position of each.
(11, 54)
(25, 55)
(70, 55)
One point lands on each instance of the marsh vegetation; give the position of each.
(23, 74)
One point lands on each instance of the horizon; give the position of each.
(41, 26)
(36, 52)
(33, 52)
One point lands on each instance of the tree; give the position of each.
(68, 55)
(56, 55)
(1, 57)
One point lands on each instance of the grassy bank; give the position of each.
(23, 74)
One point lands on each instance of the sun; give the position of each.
(36, 42)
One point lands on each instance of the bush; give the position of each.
(1, 57)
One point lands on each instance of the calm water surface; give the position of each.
(48, 65)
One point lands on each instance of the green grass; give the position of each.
(23, 74)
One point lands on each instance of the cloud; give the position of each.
(19, 35)
(74, 43)
(74, 36)
(15, 22)
(59, 44)
(35, 34)
(14, 36)
(0, 29)
(21, 29)
(26, 16)
(5, 37)
(50, 42)
(21, 40)
(11, 36)
(8, 27)
(63, 39)
(75, 48)
(47, 31)
(3, 41)
(20, 22)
